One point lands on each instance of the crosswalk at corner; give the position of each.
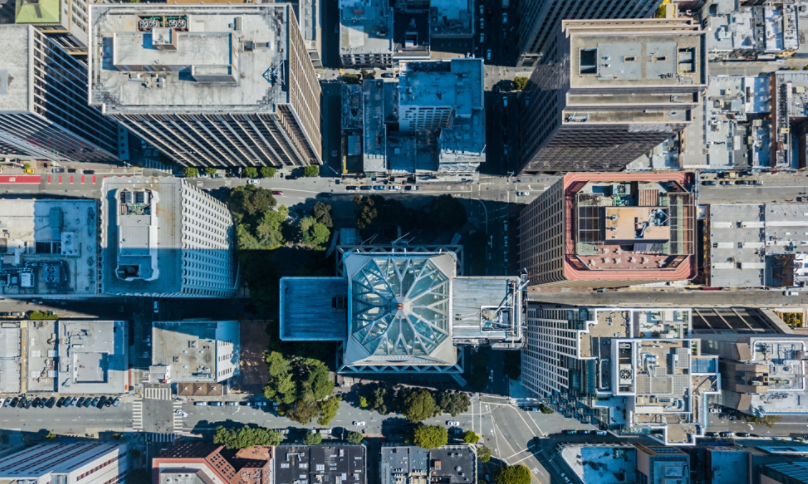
(157, 437)
(161, 393)
(137, 414)
(177, 416)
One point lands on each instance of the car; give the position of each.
(89, 172)
(180, 412)
(791, 293)
(101, 402)
(13, 402)
(94, 401)
(42, 403)
(231, 404)
(452, 423)
(282, 431)
(277, 192)
(253, 181)
(727, 434)
(244, 403)
(482, 37)
(325, 194)
(58, 170)
(395, 187)
(74, 402)
(259, 404)
(351, 187)
(324, 431)
(504, 18)
(482, 23)
(215, 404)
(28, 403)
(488, 55)
(505, 100)
(742, 434)
(358, 423)
(217, 175)
(36, 401)
(156, 307)
(366, 187)
(505, 150)
(17, 314)
(522, 194)
(742, 182)
(715, 410)
(5, 401)
(60, 402)
(378, 187)
(388, 75)
(725, 182)
(108, 402)
(755, 182)
(708, 183)
(600, 432)
(711, 434)
(80, 402)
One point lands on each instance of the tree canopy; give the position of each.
(267, 172)
(453, 403)
(312, 232)
(210, 171)
(520, 82)
(419, 405)
(322, 214)
(484, 454)
(430, 436)
(311, 171)
(471, 437)
(190, 172)
(251, 172)
(328, 410)
(246, 437)
(517, 474)
(312, 439)
(353, 438)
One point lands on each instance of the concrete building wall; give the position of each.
(541, 19)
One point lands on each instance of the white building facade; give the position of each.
(92, 462)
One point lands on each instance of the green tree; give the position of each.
(447, 213)
(248, 201)
(267, 172)
(484, 454)
(381, 398)
(520, 82)
(51, 435)
(210, 170)
(767, 420)
(430, 436)
(517, 474)
(328, 410)
(26, 166)
(245, 437)
(41, 315)
(311, 171)
(313, 233)
(190, 172)
(251, 172)
(349, 78)
(419, 405)
(453, 403)
(322, 214)
(303, 412)
(354, 438)
(363, 401)
(471, 437)
(312, 439)
(280, 388)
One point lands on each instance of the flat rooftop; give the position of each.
(92, 356)
(451, 18)
(366, 27)
(189, 58)
(604, 464)
(48, 247)
(450, 464)
(486, 309)
(314, 308)
(188, 349)
(10, 357)
(151, 240)
(322, 464)
(15, 66)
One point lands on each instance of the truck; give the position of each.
(505, 4)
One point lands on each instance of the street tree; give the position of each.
(453, 403)
(471, 437)
(517, 474)
(251, 172)
(484, 454)
(190, 172)
(328, 410)
(430, 436)
(419, 405)
(312, 439)
(267, 172)
(354, 438)
(311, 171)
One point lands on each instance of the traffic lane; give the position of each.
(67, 419)
(673, 298)
(768, 192)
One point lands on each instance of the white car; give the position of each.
(359, 423)
(253, 181)
(522, 194)
(453, 423)
(180, 413)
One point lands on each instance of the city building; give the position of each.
(203, 462)
(194, 351)
(11, 358)
(450, 464)
(541, 19)
(725, 465)
(402, 312)
(784, 473)
(63, 21)
(631, 371)
(366, 33)
(761, 374)
(326, 463)
(609, 91)
(429, 123)
(164, 237)
(601, 463)
(43, 102)
(93, 462)
(610, 230)
(49, 247)
(451, 19)
(760, 32)
(756, 245)
(789, 91)
(658, 464)
(75, 357)
(208, 85)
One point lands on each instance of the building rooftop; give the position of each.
(37, 12)
(92, 357)
(48, 247)
(10, 357)
(322, 464)
(16, 60)
(52, 460)
(187, 351)
(789, 101)
(203, 463)
(214, 58)
(451, 18)
(366, 27)
(603, 464)
(450, 464)
(724, 463)
(411, 34)
(314, 308)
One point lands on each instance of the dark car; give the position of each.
(36, 401)
(711, 434)
(742, 182)
(51, 402)
(726, 182)
(244, 403)
(60, 402)
(58, 170)
(94, 401)
(755, 182)
(4, 314)
(215, 404)
(366, 187)
(231, 404)
(89, 172)
(80, 402)
(108, 402)
(14, 402)
(88, 402)
(742, 434)
(708, 182)
(325, 194)
(101, 402)
(71, 170)
(28, 403)
(388, 75)
(350, 187)
(727, 434)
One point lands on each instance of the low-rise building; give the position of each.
(610, 230)
(194, 351)
(63, 21)
(658, 464)
(450, 464)
(789, 117)
(628, 370)
(756, 245)
(451, 19)
(49, 247)
(203, 462)
(326, 463)
(752, 32)
(366, 33)
(601, 463)
(164, 237)
(725, 465)
(93, 462)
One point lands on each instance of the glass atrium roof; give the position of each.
(400, 306)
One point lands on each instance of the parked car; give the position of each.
(200, 404)
(359, 423)
(742, 182)
(727, 434)
(388, 75)
(13, 402)
(74, 402)
(755, 182)
(17, 314)
(411, 188)
(89, 172)
(80, 402)
(711, 434)
(277, 192)
(742, 434)
(35, 404)
(725, 182)
(58, 170)
(452, 423)
(231, 404)
(116, 402)
(215, 404)
(791, 293)
(708, 182)
(378, 187)
(522, 194)
(88, 402)
(504, 18)
(108, 402)
(101, 402)
(60, 402)
(325, 194)
(244, 403)
(715, 410)
(94, 401)
(366, 187)
(488, 55)
(28, 403)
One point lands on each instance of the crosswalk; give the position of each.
(177, 417)
(152, 164)
(160, 393)
(157, 437)
(137, 414)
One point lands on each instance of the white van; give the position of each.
(791, 293)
